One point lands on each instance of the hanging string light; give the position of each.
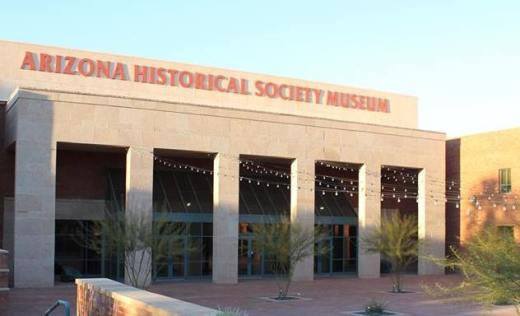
(399, 181)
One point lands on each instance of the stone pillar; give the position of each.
(431, 214)
(139, 201)
(32, 246)
(302, 210)
(369, 217)
(225, 218)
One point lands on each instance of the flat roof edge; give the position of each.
(12, 98)
(20, 94)
(484, 133)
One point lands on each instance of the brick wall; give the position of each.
(83, 174)
(107, 297)
(91, 301)
(476, 159)
(4, 271)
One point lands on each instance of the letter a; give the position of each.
(28, 61)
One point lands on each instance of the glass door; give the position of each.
(250, 263)
(337, 252)
(322, 261)
(189, 255)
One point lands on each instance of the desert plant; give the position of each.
(136, 238)
(231, 311)
(285, 244)
(490, 265)
(374, 307)
(396, 240)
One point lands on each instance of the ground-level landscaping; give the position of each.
(326, 296)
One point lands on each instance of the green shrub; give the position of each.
(231, 311)
(396, 241)
(490, 265)
(374, 307)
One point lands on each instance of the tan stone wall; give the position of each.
(481, 156)
(146, 125)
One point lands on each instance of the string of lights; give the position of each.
(398, 185)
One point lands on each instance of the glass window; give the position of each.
(506, 231)
(73, 256)
(504, 180)
(190, 254)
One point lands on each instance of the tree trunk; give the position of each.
(396, 286)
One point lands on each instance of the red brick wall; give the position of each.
(475, 160)
(83, 174)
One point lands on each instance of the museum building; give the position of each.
(87, 134)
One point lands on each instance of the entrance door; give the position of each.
(189, 255)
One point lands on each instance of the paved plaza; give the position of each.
(327, 296)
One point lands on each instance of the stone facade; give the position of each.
(474, 161)
(50, 110)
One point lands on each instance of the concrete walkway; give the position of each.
(328, 296)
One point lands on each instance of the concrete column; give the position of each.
(34, 195)
(431, 214)
(369, 217)
(34, 214)
(225, 218)
(302, 209)
(139, 199)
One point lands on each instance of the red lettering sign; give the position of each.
(185, 79)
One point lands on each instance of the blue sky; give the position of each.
(461, 58)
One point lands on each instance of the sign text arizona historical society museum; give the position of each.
(70, 65)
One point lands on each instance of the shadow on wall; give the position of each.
(487, 206)
(452, 216)
(4, 170)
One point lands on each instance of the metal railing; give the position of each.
(65, 305)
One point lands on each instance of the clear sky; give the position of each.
(460, 58)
